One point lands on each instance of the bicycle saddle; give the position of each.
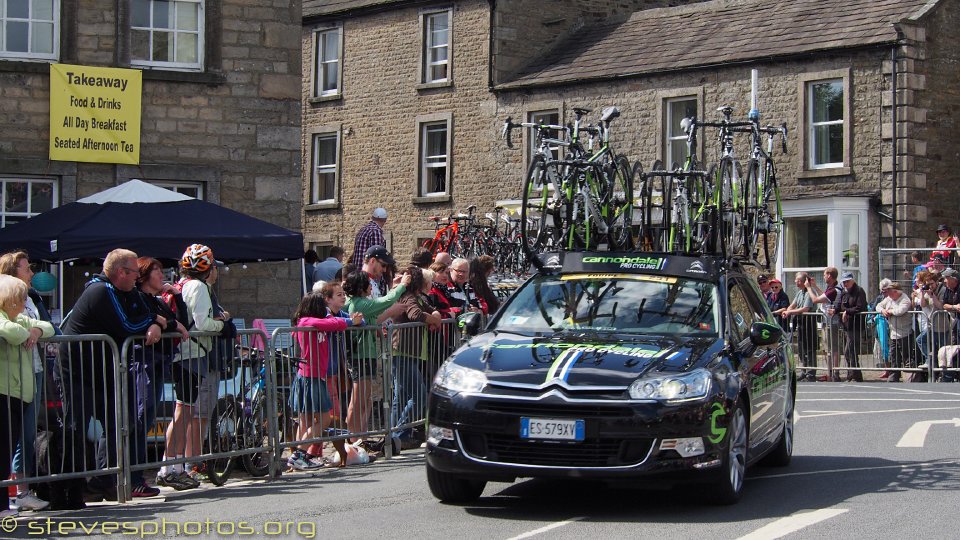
(580, 111)
(609, 113)
(686, 123)
(726, 110)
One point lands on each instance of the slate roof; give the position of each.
(319, 8)
(718, 32)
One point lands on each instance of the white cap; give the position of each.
(380, 213)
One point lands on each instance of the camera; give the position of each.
(925, 288)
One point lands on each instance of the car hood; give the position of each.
(579, 360)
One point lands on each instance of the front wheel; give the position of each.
(223, 433)
(449, 488)
(257, 435)
(728, 487)
(619, 204)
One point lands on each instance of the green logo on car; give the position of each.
(718, 432)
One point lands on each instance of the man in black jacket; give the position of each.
(853, 302)
(112, 305)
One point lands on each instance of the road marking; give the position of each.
(860, 469)
(793, 523)
(817, 414)
(917, 434)
(912, 400)
(548, 528)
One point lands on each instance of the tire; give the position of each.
(642, 239)
(223, 436)
(256, 434)
(728, 486)
(619, 204)
(449, 488)
(782, 453)
(537, 214)
(730, 212)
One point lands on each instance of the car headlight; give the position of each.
(456, 378)
(673, 388)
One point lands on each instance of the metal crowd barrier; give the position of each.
(929, 352)
(107, 412)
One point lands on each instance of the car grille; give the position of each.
(565, 410)
(592, 452)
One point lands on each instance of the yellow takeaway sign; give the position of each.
(95, 114)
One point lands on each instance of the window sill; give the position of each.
(333, 205)
(431, 85)
(154, 74)
(25, 66)
(316, 100)
(432, 199)
(824, 173)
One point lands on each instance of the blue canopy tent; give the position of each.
(149, 220)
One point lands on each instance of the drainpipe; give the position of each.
(893, 89)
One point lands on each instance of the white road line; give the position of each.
(548, 528)
(817, 414)
(793, 523)
(917, 434)
(860, 469)
(915, 400)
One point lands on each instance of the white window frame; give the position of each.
(316, 169)
(535, 117)
(424, 166)
(181, 187)
(319, 72)
(668, 137)
(31, 21)
(834, 209)
(200, 33)
(427, 23)
(812, 125)
(30, 181)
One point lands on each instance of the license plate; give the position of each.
(551, 428)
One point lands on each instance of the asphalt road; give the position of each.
(871, 461)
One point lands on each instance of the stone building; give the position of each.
(220, 116)
(867, 88)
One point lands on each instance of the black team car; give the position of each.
(651, 368)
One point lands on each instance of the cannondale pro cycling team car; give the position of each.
(655, 369)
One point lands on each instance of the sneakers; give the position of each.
(28, 501)
(177, 480)
(298, 461)
(9, 513)
(143, 490)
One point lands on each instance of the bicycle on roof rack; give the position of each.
(583, 201)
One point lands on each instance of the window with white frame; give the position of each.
(190, 189)
(24, 198)
(436, 47)
(328, 59)
(675, 150)
(552, 118)
(434, 158)
(167, 34)
(30, 29)
(822, 232)
(323, 181)
(825, 123)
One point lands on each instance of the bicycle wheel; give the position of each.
(752, 210)
(222, 438)
(642, 239)
(537, 211)
(619, 204)
(583, 209)
(256, 434)
(731, 221)
(771, 220)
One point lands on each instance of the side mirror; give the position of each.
(469, 324)
(764, 334)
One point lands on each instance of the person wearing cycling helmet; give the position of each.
(194, 376)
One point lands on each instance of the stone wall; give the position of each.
(235, 127)
(929, 116)
(377, 117)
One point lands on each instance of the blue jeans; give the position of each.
(24, 462)
(939, 340)
(409, 393)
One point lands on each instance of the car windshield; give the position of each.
(615, 303)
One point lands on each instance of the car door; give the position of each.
(762, 367)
